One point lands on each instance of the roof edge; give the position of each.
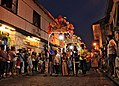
(44, 9)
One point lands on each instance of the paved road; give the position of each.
(90, 79)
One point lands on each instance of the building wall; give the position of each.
(24, 18)
(97, 31)
(97, 34)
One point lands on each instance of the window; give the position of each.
(36, 19)
(10, 5)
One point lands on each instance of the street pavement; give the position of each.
(92, 78)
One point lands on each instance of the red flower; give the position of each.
(49, 31)
(59, 17)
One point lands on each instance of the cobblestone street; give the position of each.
(90, 79)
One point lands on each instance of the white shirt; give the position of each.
(111, 47)
(57, 59)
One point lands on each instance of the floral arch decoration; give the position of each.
(60, 25)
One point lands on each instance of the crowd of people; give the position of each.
(53, 61)
(69, 62)
(57, 61)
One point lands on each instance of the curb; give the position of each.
(111, 78)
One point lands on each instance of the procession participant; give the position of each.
(76, 60)
(64, 64)
(82, 59)
(111, 53)
(57, 62)
(3, 59)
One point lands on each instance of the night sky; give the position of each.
(81, 13)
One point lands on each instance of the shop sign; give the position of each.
(31, 41)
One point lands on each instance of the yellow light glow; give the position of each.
(2, 28)
(94, 44)
(10, 28)
(6, 28)
(65, 17)
(36, 38)
(32, 38)
(33, 41)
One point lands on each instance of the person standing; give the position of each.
(46, 62)
(117, 57)
(117, 66)
(64, 64)
(30, 65)
(82, 59)
(111, 53)
(34, 61)
(76, 60)
(13, 60)
(3, 59)
(57, 62)
(51, 53)
(94, 61)
(25, 56)
(21, 70)
(8, 63)
(88, 60)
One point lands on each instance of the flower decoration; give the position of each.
(60, 24)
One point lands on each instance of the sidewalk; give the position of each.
(115, 80)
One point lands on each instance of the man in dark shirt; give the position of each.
(76, 59)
